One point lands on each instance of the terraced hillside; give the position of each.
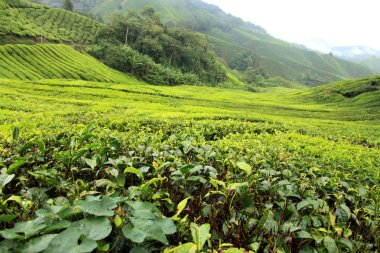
(51, 61)
(362, 93)
(24, 19)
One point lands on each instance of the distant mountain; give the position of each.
(231, 35)
(355, 51)
(361, 54)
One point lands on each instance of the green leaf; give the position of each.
(16, 133)
(121, 180)
(197, 179)
(104, 248)
(144, 210)
(37, 244)
(282, 244)
(97, 206)
(5, 179)
(303, 235)
(330, 245)
(184, 170)
(81, 236)
(234, 186)
(134, 171)
(139, 250)
(41, 146)
(217, 183)
(78, 154)
(28, 146)
(181, 206)
(104, 183)
(255, 246)
(91, 162)
(234, 250)
(184, 248)
(140, 230)
(307, 203)
(59, 225)
(23, 230)
(71, 241)
(268, 224)
(14, 198)
(345, 242)
(199, 234)
(134, 234)
(8, 217)
(307, 249)
(343, 213)
(14, 166)
(118, 221)
(244, 166)
(167, 226)
(96, 228)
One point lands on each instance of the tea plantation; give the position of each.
(28, 20)
(116, 166)
(49, 61)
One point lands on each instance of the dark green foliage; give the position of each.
(182, 49)
(243, 60)
(128, 60)
(67, 5)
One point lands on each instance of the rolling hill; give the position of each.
(231, 35)
(51, 61)
(360, 93)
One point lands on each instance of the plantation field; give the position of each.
(25, 19)
(101, 166)
(49, 61)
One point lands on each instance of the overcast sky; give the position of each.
(318, 24)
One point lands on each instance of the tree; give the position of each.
(67, 5)
(243, 60)
(178, 55)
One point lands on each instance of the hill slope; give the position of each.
(48, 61)
(231, 35)
(25, 19)
(359, 93)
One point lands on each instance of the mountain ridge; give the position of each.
(360, 54)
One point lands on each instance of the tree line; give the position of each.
(140, 44)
